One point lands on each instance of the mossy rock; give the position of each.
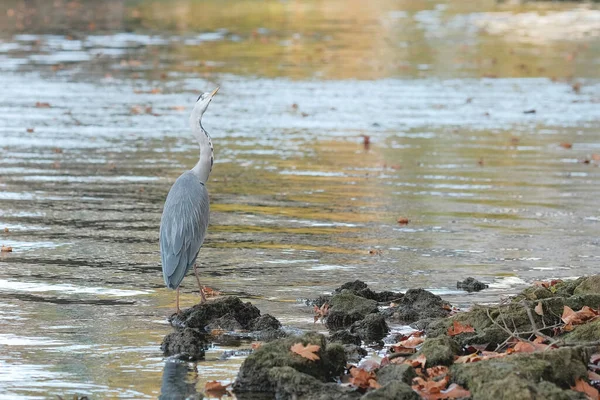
(418, 304)
(227, 308)
(560, 367)
(589, 332)
(253, 375)
(534, 293)
(577, 302)
(396, 390)
(589, 285)
(396, 372)
(514, 387)
(371, 329)
(567, 288)
(292, 384)
(350, 303)
(186, 344)
(344, 336)
(440, 350)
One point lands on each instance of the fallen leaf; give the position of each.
(307, 352)
(438, 370)
(179, 108)
(595, 358)
(539, 309)
(419, 360)
(592, 376)
(467, 359)
(395, 348)
(5, 230)
(527, 347)
(6, 249)
(210, 292)
(40, 104)
(321, 312)
(570, 317)
(457, 328)
(30, 130)
(455, 391)
(412, 342)
(256, 345)
(366, 141)
(362, 378)
(403, 221)
(566, 145)
(584, 387)
(215, 389)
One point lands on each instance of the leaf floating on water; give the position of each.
(6, 249)
(566, 145)
(403, 221)
(308, 352)
(210, 292)
(6, 230)
(40, 104)
(457, 328)
(30, 130)
(178, 108)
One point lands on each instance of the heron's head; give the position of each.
(203, 101)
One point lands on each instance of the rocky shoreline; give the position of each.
(541, 344)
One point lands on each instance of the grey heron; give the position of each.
(186, 212)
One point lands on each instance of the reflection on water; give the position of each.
(175, 381)
(93, 131)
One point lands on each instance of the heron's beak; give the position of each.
(214, 91)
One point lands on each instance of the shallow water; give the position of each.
(298, 201)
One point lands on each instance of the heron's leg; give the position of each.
(177, 302)
(199, 285)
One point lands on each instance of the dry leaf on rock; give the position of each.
(457, 328)
(307, 352)
(584, 387)
(215, 389)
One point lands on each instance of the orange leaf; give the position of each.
(584, 387)
(413, 342)
(362, 378)
(455, 391)
(467, 359)
(539, 309)
(420, 360)
(215, 389)
(307, 352)
(592, 376)
(526, 347)
(568, 314)
(39, 104)
(457, 328)
(566, 145)
(5, 249)
(403, 221)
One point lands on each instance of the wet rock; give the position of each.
(354, 353)
(440, 350)
(226, 309)
(186, 344)
(515, 387)
(471, 285)
(292, 384)
(253, 376)
(396, 372)
(418, 304)
(392, 391)
(347, 308)
(359, 288)
(371, 329)
(226, 323)
(560, 367)
(265, 322)
(345, 337)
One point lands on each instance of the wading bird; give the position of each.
(185, 215)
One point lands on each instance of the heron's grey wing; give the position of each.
(183, 227)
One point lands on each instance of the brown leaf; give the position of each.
(457, 328)
(455, 391)
(210, 292)
(321, 312)
(584, 387)
(30, 130)
(6, 249)
(256, 345)
(6, 230)
(592, 376)
(307, 352)
(403, 221)
(527, 347)
(595, 358)
(40, 104)
(215, 389)
(467, 359)
(566, 145)
(412, 342)
(179, 108)
(570, 317)
(362, 378)
(420, 360)
(539, 309)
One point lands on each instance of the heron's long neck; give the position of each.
(204, 166)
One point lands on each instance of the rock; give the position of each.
(440, 350)
(588, 332)
(292, 384)
(471, 285)
(265, 322)
(354, 353)
(418, 304)
(186, 344)
(392, 391)
(347, 308)
(226, 323)
(515, 387)
(352, 304)
(589, 285)
(560, 367)
(253, 375)
(224, 309)
(359, 288)
(371, 329)
(345, 337)
(396, 372)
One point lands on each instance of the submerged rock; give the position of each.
(254, 376)
(359, 288)
(292, 384)
(354, 353)
(396, 372)
(440, 350)
(418, 304)
(347, 308)
(186, 344)
(392, 391)
(471, 285)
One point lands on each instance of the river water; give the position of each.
(465, 107)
